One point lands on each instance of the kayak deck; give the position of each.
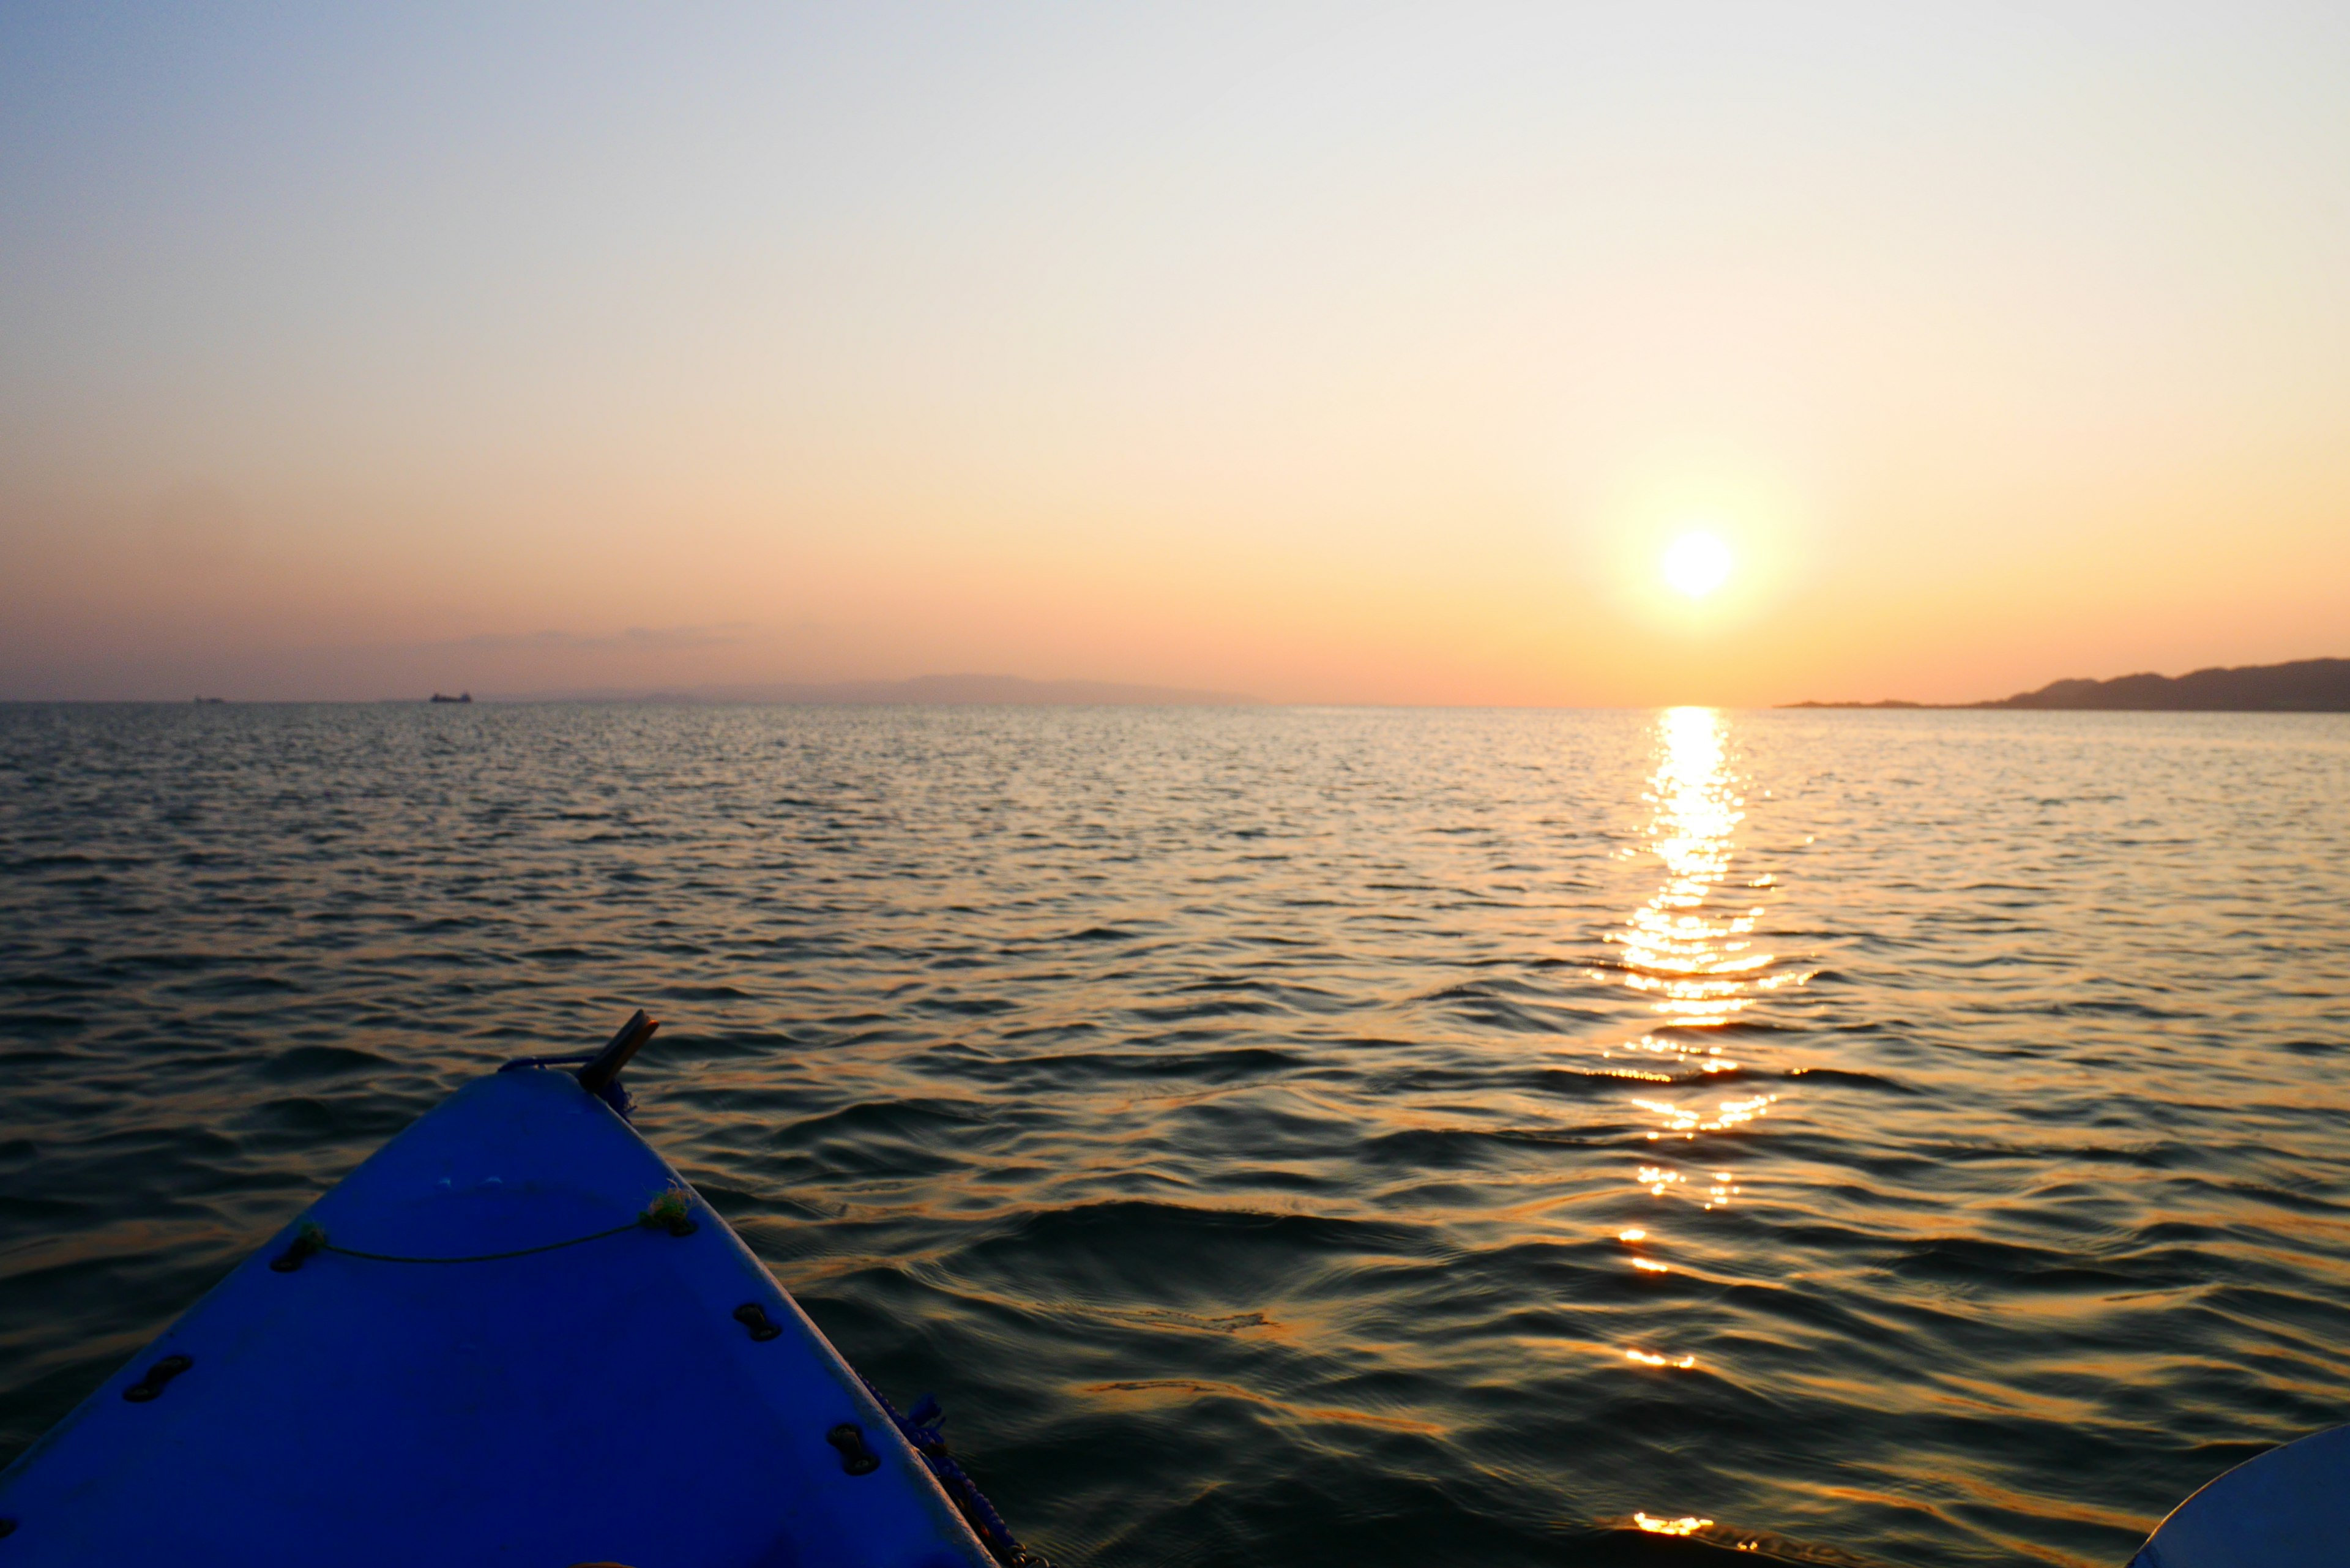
(579, 1389)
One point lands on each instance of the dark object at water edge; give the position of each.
(2304, 686)
(460, 697)
(413, 1370)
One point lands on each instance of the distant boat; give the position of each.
(460, 697)
(210, 700)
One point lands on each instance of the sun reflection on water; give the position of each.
(1685, 1526)
(1699, 966)
(1695, 961)
(1691, 952)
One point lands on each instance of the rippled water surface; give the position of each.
(1287, 1136)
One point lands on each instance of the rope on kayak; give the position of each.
(922, 1430)
(326, 1246)
(670, 1211)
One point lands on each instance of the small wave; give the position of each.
(308, 1064)
(1846, 1077)
(1224, 1065)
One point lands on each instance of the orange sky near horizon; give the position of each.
(1323, 354)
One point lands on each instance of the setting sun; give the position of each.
(1696, 563)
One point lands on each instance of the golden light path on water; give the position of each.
(1690, 949)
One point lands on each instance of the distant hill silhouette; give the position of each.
(1008, 690)
(2304, 686)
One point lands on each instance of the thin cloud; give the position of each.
(635, 639)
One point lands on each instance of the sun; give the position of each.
(1695, 563)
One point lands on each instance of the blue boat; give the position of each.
(514, 1336)
(2288, 1508)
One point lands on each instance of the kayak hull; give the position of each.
(493, 1359)
(2286, 1509)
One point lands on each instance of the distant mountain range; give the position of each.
(1008, 690)
(2304, 686)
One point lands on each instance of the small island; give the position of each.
(2304, 686)
(460, 697)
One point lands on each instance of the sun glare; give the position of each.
(1696, 563)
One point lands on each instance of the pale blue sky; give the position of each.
(1324, 352)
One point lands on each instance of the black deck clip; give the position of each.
(162, 1372)
(855, 1457)
(753, 1316)
(307, 1241)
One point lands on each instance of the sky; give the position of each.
(1331, 354)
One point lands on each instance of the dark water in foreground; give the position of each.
(1287, 1136)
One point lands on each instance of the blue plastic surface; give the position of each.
(2290, 1508)
(595, 1404)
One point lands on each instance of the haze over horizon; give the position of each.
(1481, 355)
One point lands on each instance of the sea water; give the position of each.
(1285, 1135)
